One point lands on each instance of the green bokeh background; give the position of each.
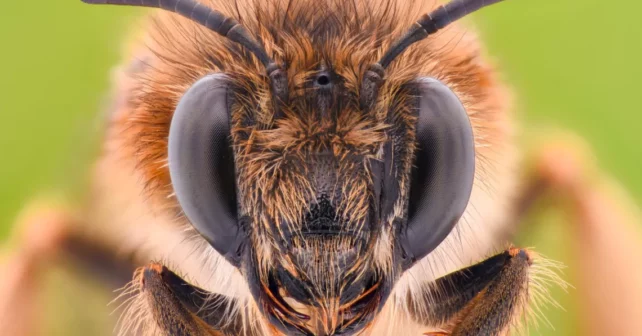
(576, 64)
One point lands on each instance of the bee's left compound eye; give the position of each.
(201, 164)
(444, 169)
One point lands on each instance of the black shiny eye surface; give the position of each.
(444, 169)
(201, 164)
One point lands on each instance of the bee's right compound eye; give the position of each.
(201, 164)
(444, 169)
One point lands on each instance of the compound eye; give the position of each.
(201, 164)
(442, 177)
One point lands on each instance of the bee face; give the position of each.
(323, 196)
(323, 206)
(309, 195)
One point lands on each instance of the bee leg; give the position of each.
(41, 233)
(46, 238)
(606, 238)
(180, 309)
(483, 299)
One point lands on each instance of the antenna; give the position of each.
(427, 25)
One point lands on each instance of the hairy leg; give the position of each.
(45, 238)
(483, 299)
(168, 305)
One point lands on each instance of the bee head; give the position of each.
(322, 176)
(296, 202)
(319, 203)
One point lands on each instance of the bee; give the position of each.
(304, 167)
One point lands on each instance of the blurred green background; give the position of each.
(576, 64)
